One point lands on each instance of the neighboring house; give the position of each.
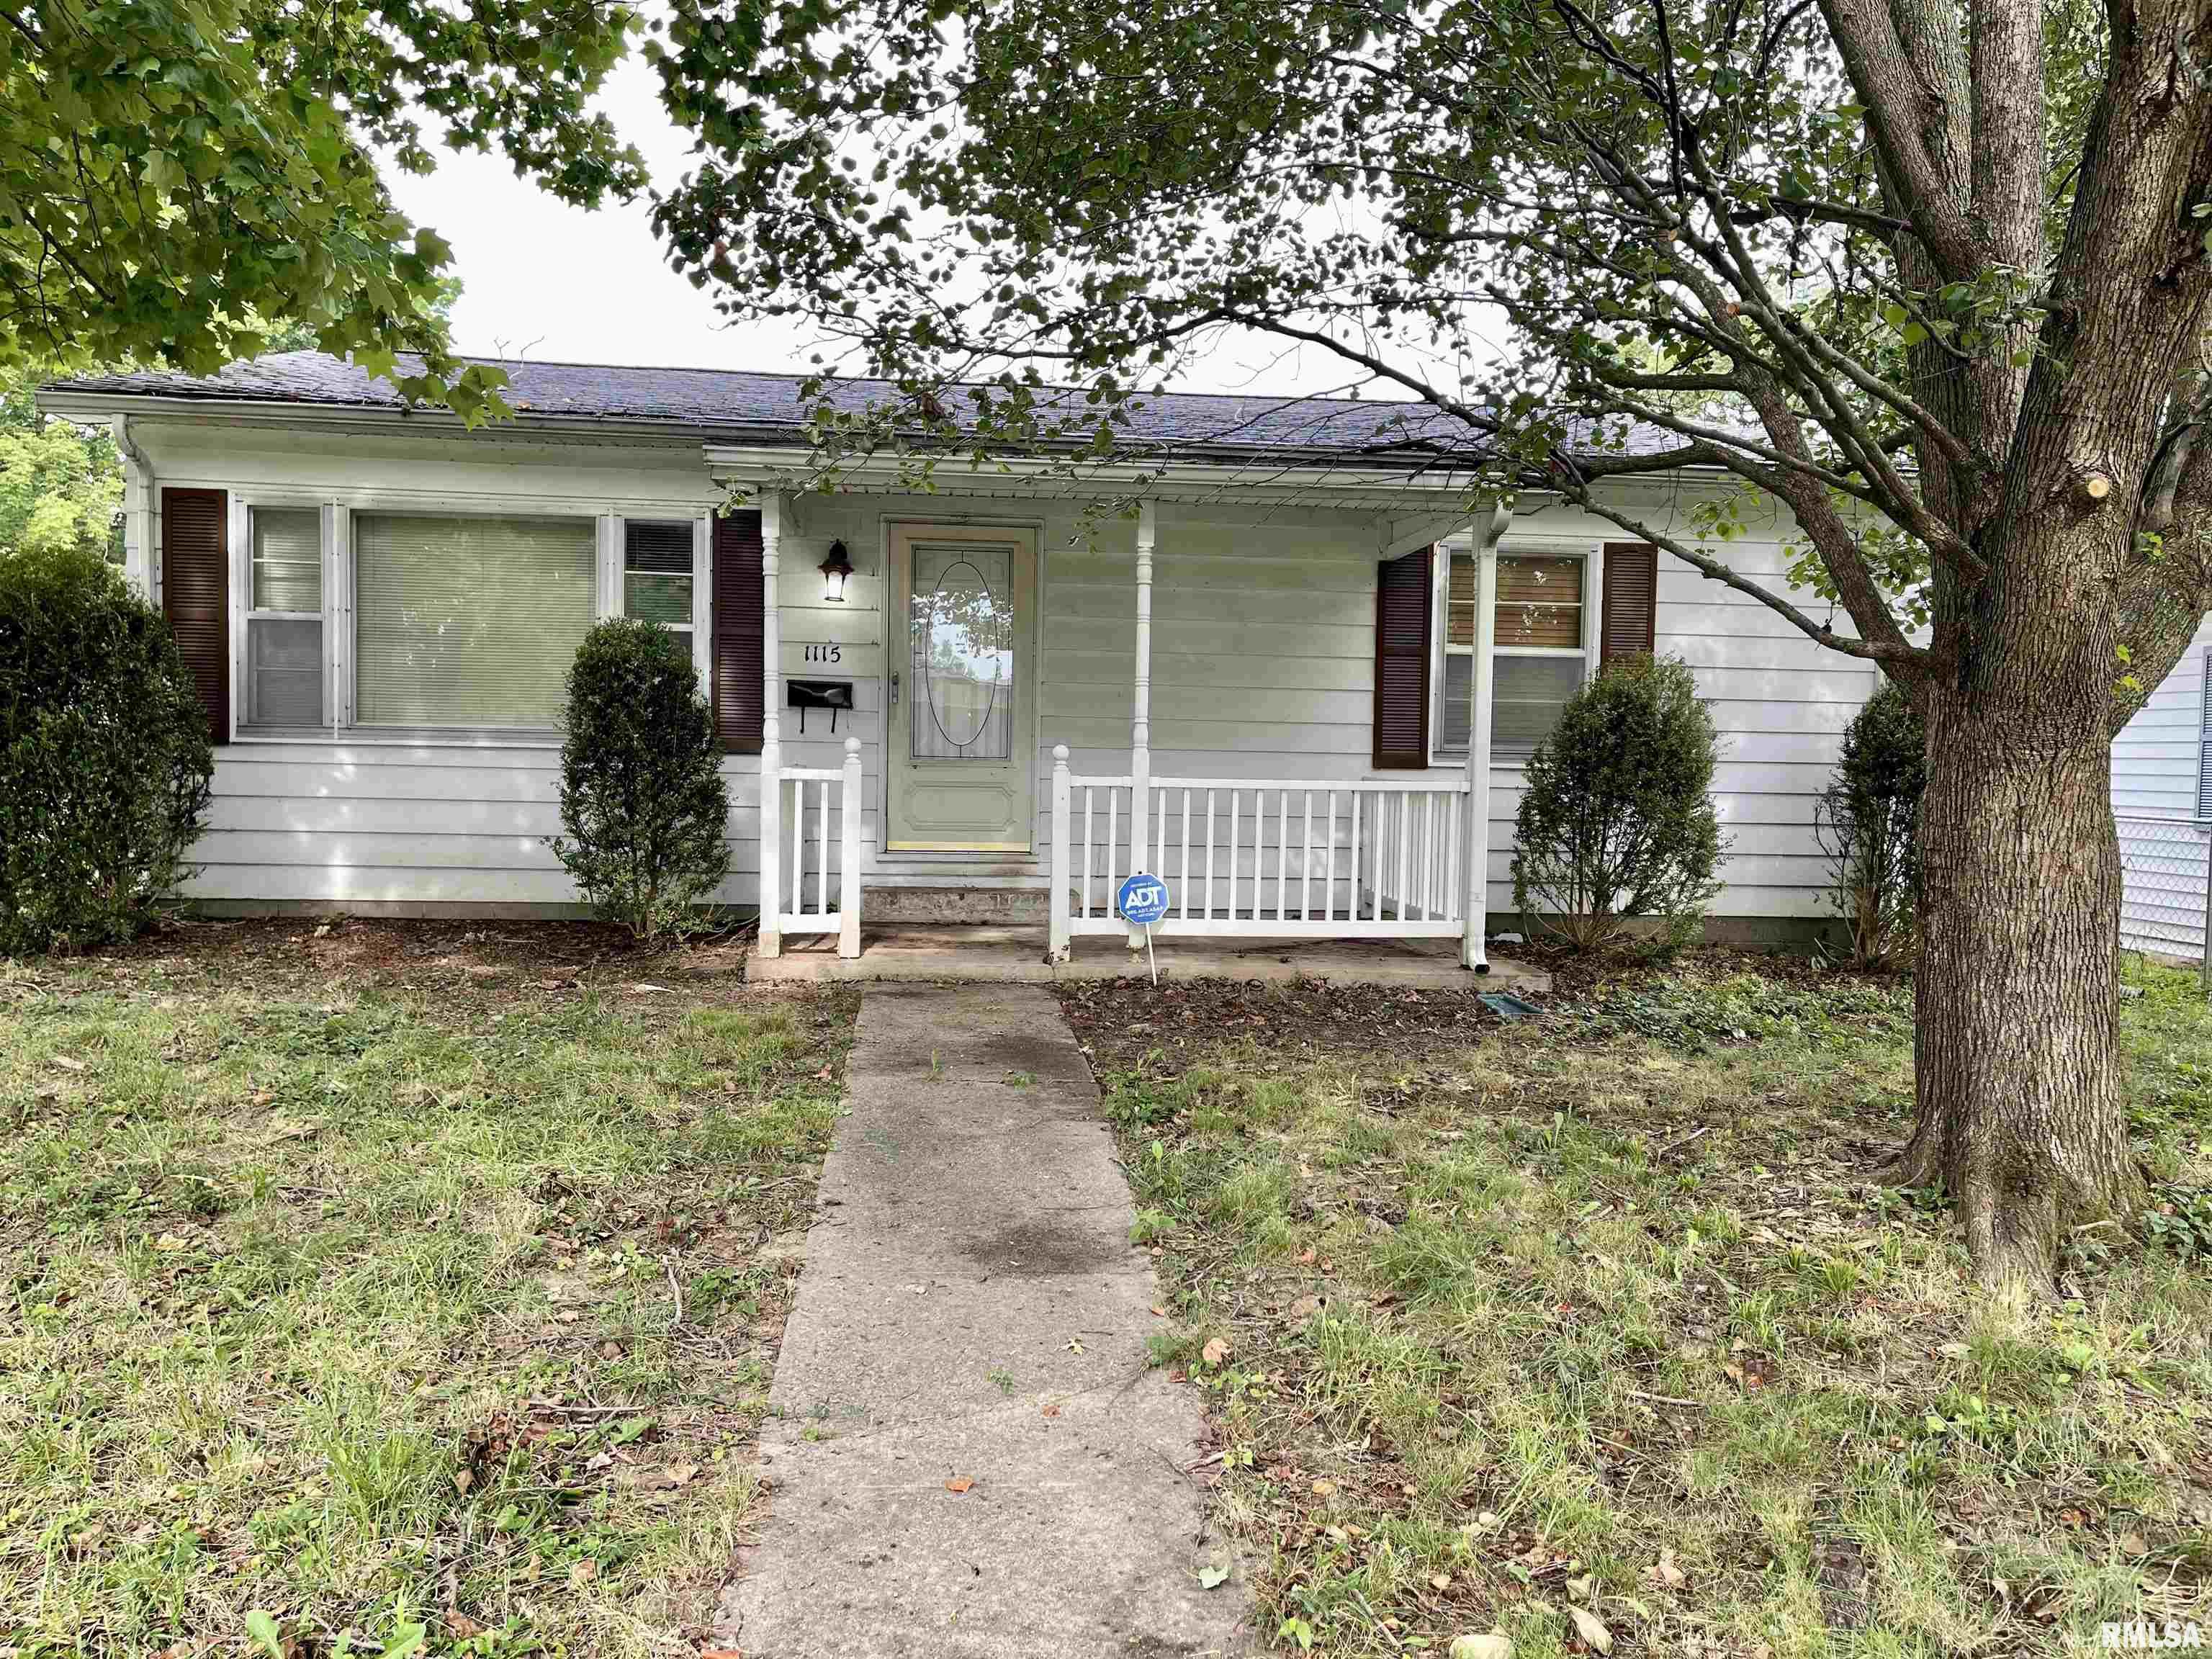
(1285, 654)
(2163, 803)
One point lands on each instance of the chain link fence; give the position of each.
(2168, 873)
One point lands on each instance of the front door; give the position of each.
(963, 733)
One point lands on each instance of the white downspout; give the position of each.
(1474, 951)
(138, 566)
(1140, 720)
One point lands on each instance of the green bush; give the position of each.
(105, 758)
(641, 792)
(1868, 822)
(1618, 823)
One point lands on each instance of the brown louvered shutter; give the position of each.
(738, 665)
(1403, 596)
(196, 594)
(1632, 600)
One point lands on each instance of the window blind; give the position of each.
(657, 573)
(284, 653)
(468, 621)
(288, 559)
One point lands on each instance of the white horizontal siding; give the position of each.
(355, 822)
(1263, 660)
(2155, 758)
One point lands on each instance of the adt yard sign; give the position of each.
(1143, 900)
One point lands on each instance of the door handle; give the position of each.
(894, 690)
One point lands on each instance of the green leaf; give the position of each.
(261, 1630)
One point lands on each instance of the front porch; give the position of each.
(1018, 955)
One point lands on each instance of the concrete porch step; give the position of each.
(913, 903)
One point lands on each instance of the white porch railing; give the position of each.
(801, 790)
(1266, 858)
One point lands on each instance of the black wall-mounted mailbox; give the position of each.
(835, 695)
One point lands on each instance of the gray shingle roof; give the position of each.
(741, 406)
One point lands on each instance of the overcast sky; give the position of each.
(544, 280)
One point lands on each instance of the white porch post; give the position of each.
(1141, 722)
(1473, 952)
(1062, 792)
(771, 761)
(849, 854)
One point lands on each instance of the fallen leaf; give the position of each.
(1579, 1587)
(168, 1242)
(681, 1474)
(641, 988)
(1440, 1581)
(463, 1480)
(1052, 1408)
(960, 1483)
(1664, 1573)
(1075, 1345)
(67, 1064)
(1217, 1349)
(1212, 1577)
(1303, 1309)
(1591, 1628)
(1323, 1488)
(1492, 1646)
(461, 1625)
(583, 1571)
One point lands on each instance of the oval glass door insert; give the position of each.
(963, 637)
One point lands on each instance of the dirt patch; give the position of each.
(1039, 1250)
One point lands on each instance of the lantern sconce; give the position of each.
(836, 570)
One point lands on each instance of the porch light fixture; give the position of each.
(835, 570)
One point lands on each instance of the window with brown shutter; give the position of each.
(1403, 599)
(196, 594)
(739, 666)
(1632, 600)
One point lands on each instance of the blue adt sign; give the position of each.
(1143, 900)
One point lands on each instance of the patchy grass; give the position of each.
(1602, 1313)
(374, 1284)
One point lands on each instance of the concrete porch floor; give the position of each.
(1015, 955)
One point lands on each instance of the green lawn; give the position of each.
(341, 1286)
(1602, 1313)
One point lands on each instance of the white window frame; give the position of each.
(703, 571)
(339, 656)
(1590, 554)
(243, 506)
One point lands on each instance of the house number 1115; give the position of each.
(825, 654)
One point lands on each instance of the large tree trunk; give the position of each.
(2022, 1115)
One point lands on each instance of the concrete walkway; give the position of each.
(972, 1310)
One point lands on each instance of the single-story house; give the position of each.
(2162, 805)
(1297, 677)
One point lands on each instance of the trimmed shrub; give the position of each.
(642, 792)
(1868, 822)
(105, 756)
(1618, 823)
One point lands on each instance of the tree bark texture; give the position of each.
(2022, 1115)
